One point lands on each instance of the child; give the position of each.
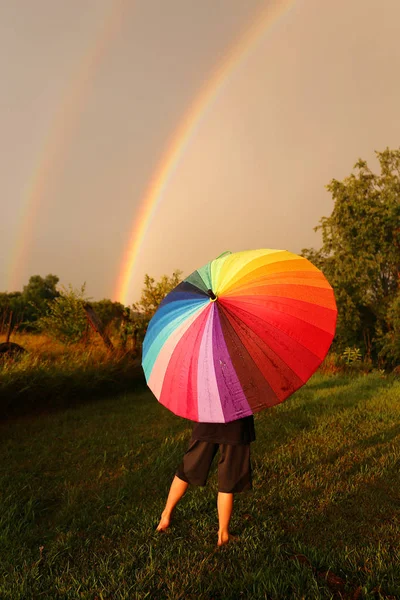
(234, 469)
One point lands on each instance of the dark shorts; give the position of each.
(234, 468)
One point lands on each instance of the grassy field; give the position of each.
(82, 489)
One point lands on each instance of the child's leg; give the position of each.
(234, 476)
(194, 469)
(177, 489)
(225, 508)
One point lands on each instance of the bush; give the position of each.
(66, 320)
(349, 361)
(152, 295)
(390, 339)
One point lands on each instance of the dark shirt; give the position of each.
(236, 432)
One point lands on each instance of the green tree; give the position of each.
(152, 294)
(36, 296)
(110, 313)
(390, 339)
(11, 306)
(66, 320)
(360, 253)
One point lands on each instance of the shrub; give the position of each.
(66, 320)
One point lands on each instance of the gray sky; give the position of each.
(93, 90)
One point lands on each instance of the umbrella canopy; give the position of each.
(238, 335)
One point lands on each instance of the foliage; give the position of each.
(128, 329)
(152, 294)
(12, 306)
(66, 320)
(29, 305)
(360, 253)
(331, 364)
(110, 313)
(350, 360)
(352, 356)
(390, 340)
(36, 295)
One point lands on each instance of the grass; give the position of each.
(81, 492)
(38, 344)
(53, 376)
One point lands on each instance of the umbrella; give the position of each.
(238, 335)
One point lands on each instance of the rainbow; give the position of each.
(61, 132)
(181, 137)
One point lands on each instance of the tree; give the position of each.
(110, 313)
(152, 294)
(66, 319)
(360, 253)
(37, 294)
(390, 340)
(12, 308)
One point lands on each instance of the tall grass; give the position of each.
(81, 492)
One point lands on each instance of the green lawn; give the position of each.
(81, 492)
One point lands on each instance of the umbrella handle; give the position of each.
(212, 295)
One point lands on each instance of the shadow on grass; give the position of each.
(317, 382)
(299, 414)
(356, 519)
(362, 515)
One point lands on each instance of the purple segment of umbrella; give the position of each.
(233, 400)
(209, 404)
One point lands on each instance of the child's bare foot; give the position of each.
(223, 538)
(164, 522)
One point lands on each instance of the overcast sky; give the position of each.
(92, 92)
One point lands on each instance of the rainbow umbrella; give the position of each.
(238, 335)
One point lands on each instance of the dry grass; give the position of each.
(43, 346)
